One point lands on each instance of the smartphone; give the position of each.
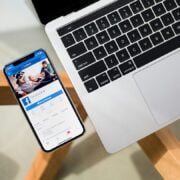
(44, 100)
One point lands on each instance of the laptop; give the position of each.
(123, 59)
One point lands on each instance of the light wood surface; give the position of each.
(6, 96)
(162, 147)
(47, 165)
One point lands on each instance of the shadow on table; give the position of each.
(175, 127)
(90, 152)
(144, 167)
(8, 168)
(83, 156)
(142, 163)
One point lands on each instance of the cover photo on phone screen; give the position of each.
(44, 100)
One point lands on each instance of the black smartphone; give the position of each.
(44, 100)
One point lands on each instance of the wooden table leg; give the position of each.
(163, 149)
(6, 96)
(47, 165)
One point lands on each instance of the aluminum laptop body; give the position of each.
(141, 100)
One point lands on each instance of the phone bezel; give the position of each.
(24, 112)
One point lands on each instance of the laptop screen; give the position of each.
(49, 10)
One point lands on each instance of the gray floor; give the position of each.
(87, 159)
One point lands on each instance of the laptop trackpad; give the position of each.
(160, 87)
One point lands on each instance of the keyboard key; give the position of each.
(167, 33)
(134, 49)
(148, 3)
(134, 36)
(84, 60)
(100, 12)
(122, 55)
(167, 19)
(68, 40)
(102, 37)
(114, 18)
(127, 67)
(111, 47)
(123, 41)
(170, 4)
(91, 29)
(103, 23)
(114, 74)
(114, 32)
(111, 61)
(176, 14)
(65, 30)
(176, 27)
(159, 9)
(156, 38)
(91, 43)
(76, 50)
(136, 20)
(145, 30)
(145, 44)
(136, 7)
(91, 85)
(100, 53)
(125, 26)
(156, 24)
(92, 70)
(148, 15)
(125, 12)
(157, 52)
(102, 79)
(79, 34)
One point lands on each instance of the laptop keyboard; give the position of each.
(121, 37)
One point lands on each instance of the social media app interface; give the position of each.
(44, 101)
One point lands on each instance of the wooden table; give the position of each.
(162, 147)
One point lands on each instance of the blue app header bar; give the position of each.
(38, 56)
(44, 100)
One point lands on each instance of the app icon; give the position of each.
(26, 101)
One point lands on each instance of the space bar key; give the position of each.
(157, 52)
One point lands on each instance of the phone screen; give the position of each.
(44, 100)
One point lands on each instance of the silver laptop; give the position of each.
(123, 59)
